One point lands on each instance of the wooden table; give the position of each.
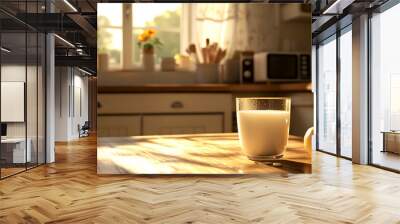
(192, 154)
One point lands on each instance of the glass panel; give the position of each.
(22, 91)
(136, 50)
(385, 84)
(171, 44)
(165, 18)
(31, 98)
(327, 96)
(41, 98)
(109, 14)
(346, 94)
(109, 32)
(170, 47)
(13, 89)
(161, 16)
(32, 89)
(111, 41)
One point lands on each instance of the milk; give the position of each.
(263, 133)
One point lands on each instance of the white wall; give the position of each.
(61, 103)
(16, 73)
(70, 83)
(269, 28)
(82, 82)
(80, 112)
(33, 126)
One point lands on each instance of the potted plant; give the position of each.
(148, 41)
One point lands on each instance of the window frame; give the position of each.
(129, 46)
(363, 33)
(380, 9)
(334, 36)
(121, 28)
(331, 38)
(342, 32)
(39, 45)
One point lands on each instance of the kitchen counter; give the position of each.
(194, 100)
(209, 88)
(192, 154)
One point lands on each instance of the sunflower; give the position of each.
(148, 39)
(143, 37)
(150, 32)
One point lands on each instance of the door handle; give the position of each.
(177, 104)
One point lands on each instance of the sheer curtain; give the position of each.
(218, 22)
(237, 27)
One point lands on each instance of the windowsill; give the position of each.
(138, 76)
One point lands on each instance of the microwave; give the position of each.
(282, 67)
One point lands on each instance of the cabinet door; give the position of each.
(168, 103)
(183, 124)
(164, 103)
(118, 126)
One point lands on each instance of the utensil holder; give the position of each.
(207, 73)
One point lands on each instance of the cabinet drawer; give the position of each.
(163, 103)
(183, 124)
(117, 126)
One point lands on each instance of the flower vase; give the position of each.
(148, 60)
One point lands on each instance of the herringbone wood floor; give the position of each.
(70, 191)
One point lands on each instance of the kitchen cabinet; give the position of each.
(197, 108)
(119, 125)
(129, 114)
(183, 124)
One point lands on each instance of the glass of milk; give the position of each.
(263, 125)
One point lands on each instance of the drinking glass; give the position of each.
(263, 125)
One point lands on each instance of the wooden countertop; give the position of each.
(191, 154)
(217, 87)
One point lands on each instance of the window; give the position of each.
(165, 18)
(385, 88)
(22, 100)
(110, 32)
(334, 97)
(326, 123)
(346, 93)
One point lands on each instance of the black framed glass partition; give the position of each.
(385, 87)
(383, 76)
(345, 92)
(22, 78)
(334, 93)
(326, 97)
(13, 105)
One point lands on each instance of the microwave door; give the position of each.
(282, 67)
